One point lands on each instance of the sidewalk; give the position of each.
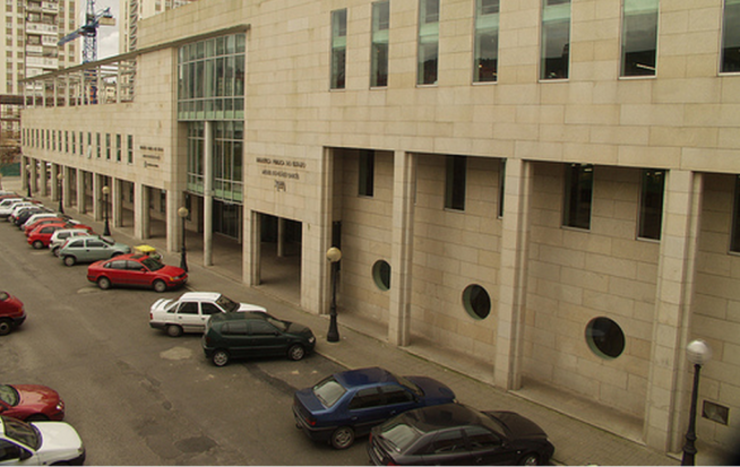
(576, 442)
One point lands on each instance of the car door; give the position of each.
(189, 318)
(487, 447)
(367, 409)
(137, 273)
(75, 248)
(448, 448)
(235, 337)
(116, 271)
(398, 399)
(265, 339)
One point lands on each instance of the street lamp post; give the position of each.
(60, 177)
(28, 179)
(333, 254)
(183, 213)
(698, 353)
(106, 192)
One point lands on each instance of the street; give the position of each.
(139, 397)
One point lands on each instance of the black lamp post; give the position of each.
(60, 177)
(698, 353)
(183, 213)
(333, 254)
(106, 192)
(28, 179)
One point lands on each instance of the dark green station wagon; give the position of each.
(254, 334)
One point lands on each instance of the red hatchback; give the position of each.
(31, 403)
(40, 237)
(136, 270)
(12, 313)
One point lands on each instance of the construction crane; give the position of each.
(89, 31)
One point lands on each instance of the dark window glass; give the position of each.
(261, 328)
(555, 42)
(338, 48)
(639, 37)
(605, 338)
(379, 58)
(366, 398)
(448, 442)
(579, 183)
(455, 183)
(95, 244)
(480, 438)
(367, 173)
(476, 301)
(651, 204)
(731, 37)
(235, 329)
(485, 66)
(189, 308)
(209, 309)
(396, 395)
(735, 239)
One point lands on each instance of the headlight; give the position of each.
(311, 340)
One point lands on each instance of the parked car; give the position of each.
(13, 206)
(254, 334)
(60, 236)
(348, 404)
(190, 312)
(89, 249)
(42, 215)
(136, 270)
(39, 443)
(12, 313)
(6, 205)
(31, 402)
(40, 237)
(31, 211)
(453, 434)
(49, 220)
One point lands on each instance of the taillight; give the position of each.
(151, 316)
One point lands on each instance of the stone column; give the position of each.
(54, 182)
(251, 247)
(208, 195)
(513, 273)
(665, 404)
(402, 237)
(141, 211)
(174, 227)
(80, 179)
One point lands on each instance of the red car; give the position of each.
(12, 313)
(31, 403)
(136, 270)
(47, 220)
(41, 236)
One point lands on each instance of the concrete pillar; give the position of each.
(54, 181)
(81, 205)
(174, 226)
(141, 211)
(43, 180)
(116, 213)
(280, 237)
(208, 195)
(66, 193)
(402, 237)
(667, 380)
(98, 183)
(251, 252)
(513, 273)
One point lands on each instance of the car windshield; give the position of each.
(152, 264)
(278, 323)
(399, 435)
(328, 391)
(107, 240)
(227, 304)
(9, 395)
(411, 386)
(21, 432)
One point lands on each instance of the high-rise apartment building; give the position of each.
(134, 10)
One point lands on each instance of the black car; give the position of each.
(456, 434)
(26, 213)
(254, 334)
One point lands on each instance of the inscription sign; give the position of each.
(281, 169)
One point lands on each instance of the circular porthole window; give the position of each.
(605, 338)
(382, 274)
(476, 301)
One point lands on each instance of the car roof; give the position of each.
(435, 417)
(239, 316)
(200, 296)
(364, 377)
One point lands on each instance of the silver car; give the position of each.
(60, 236)
(90, 249)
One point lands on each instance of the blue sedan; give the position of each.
(348, 404)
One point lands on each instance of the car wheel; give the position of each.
(296, 352)
(5, 327)
(55, 251)
(160, 286)
(530, 459)
(38, 244)
(104, 283)
(174, 330)
(37, 417)
(70, 260)
(220, 358)
(343, 437)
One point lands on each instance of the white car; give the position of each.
(190, 312)
(37, 217)
(60, 236)
(39, 443)
(7, 205)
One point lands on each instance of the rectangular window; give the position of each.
(501, 186)
(731, 37)
(579, 186)
(107, 146)
(74, 143)
(130, 147)
(379, 59)
(639, 37)
(651, 204)
(428, 52)
(82, 146)
(485, 64)
(89, 144)
(66, 141)
(455, 182)
(98, 145)
(54, 140)
(338, 48)
(555, 39)
(735, 236)
(367, 173)
(118, 148)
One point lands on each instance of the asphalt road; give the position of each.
(138, 397)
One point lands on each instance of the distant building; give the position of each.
(132, 11)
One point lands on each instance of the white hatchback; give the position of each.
(39, 443)
(60, 236)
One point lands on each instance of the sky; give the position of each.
(108, 35)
